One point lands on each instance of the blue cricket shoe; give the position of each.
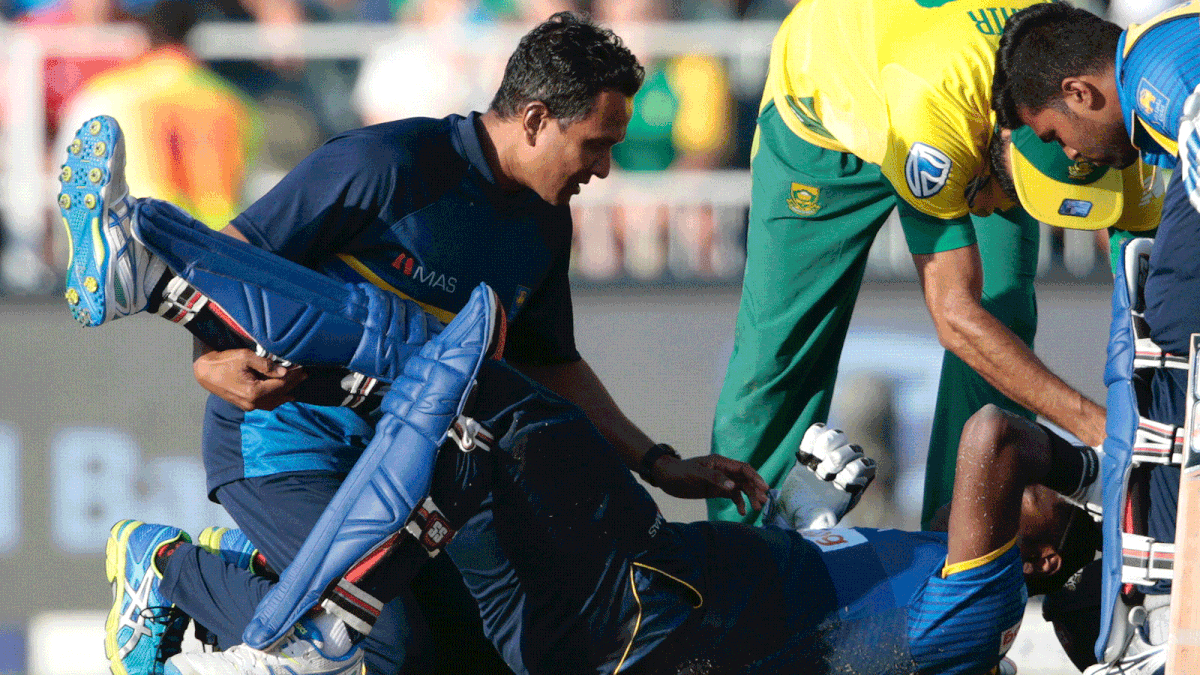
(110, 274)
(234, 547)
(143, 628)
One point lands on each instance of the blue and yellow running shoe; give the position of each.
(143, 628)
(234, 547)
(110, 274)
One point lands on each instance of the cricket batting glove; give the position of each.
(825, 484)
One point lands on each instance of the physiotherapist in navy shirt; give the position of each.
(427, 209)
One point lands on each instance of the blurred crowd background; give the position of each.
(220, 98)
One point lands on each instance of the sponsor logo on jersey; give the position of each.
(659, 521)
(1151, 103)
(926, 170)
(1008, 637)
(803, 199)
(1076, 208)
(834, 539)
(519, 299)
(410, 267)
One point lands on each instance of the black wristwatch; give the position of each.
(652, 455)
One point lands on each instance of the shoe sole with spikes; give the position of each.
(93, 183)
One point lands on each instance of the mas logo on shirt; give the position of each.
(926, 170)
(410, 267)
(803, 199)
(1152, 104)
(834, 539)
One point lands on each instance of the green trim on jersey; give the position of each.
(927, 234)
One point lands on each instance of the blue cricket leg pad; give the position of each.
(1121, 426)
(1133, 446)
(393, 474)
(293, 312)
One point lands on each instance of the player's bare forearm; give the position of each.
(999, 455)
(232, 231)
(952, 282)
(245, 379)
(1001, 358)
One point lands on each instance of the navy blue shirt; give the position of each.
(1157, 69)
(1173, 281)
(1173, 314)
(412, 207)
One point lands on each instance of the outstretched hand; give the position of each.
(711, 476)
(247, 380)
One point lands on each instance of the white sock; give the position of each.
(1158, 617)
(336, 635)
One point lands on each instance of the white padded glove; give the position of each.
(825, 484)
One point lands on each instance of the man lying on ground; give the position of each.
(575, 569)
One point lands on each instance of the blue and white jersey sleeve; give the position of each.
(1189, 148)
(1157, 71)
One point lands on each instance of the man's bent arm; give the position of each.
(953, 281)
(240, 376)
(579, 384)
(694, 478)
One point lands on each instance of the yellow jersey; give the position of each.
(190, 136)
(904, 84)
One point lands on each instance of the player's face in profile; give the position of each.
(569, 156)
(986, 193)
(990, 199)
(1039, 536)
(1098, 135)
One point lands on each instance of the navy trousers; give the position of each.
(433, 628)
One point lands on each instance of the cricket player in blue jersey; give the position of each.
(424, 209)
(571, 563)
(590, 578)
(1108, 95)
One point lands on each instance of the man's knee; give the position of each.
(987, 427)
(990, 433)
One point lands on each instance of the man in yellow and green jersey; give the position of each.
(191, 135)
(872, 105)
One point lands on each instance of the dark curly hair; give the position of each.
(564, 63)
(168, 22)
(1041, 46)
